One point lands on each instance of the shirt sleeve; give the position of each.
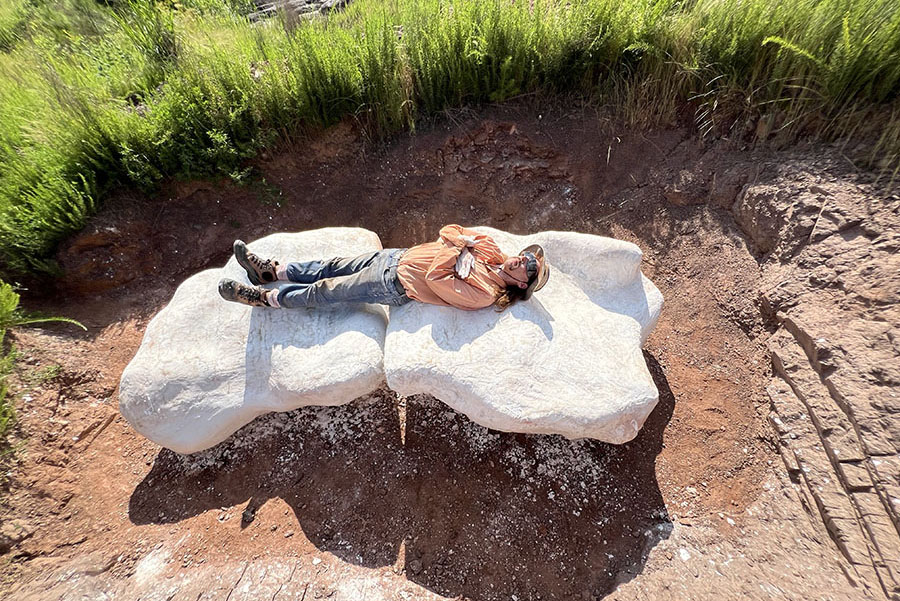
(451, 235)
(485, 248)
(442, 280)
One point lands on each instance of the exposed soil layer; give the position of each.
(402, 498)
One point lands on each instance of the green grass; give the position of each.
(95, 95)
(11, 316)
(9, 303)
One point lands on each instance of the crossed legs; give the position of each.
(359, 279)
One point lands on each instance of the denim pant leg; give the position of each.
(306, 272)
(372, 283)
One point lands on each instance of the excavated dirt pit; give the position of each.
(401, 497)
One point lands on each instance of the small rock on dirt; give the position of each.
(689, 189)
(13, 532)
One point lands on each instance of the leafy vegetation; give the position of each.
(11, 316)
(129, 92)
(8, 303)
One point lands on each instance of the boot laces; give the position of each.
(249, 294)
(262, 265)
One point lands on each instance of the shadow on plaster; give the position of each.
(450, 333)
(322, 325)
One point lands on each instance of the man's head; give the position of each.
(528, 270)
(515, 271)
(523, 273)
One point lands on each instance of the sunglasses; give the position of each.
(531, 264)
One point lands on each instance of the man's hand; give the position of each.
(464, 263)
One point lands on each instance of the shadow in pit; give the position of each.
(475, 512)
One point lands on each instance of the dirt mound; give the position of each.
(757, 254)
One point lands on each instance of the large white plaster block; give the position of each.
(568, 361)
(206, 366)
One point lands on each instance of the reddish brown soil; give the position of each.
(477, 514)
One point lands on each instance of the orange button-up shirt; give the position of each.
(428, 273)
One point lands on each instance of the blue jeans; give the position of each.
(368, 278)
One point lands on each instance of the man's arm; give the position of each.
(442, 280)
(483, 246)
(461, 237)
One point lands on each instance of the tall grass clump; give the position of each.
(95, 95)
(12, 17)
(9, 302)
(809, 61)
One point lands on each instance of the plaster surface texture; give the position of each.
(568, 361)
(206, 366)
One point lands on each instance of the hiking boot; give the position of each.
(237, 292)
(260, 271)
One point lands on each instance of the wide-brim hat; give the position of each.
(543, 273)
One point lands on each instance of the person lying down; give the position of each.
(462, 269)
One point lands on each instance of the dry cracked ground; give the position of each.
(769, 470)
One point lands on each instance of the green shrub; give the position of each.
(93, 96)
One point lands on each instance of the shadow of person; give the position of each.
(473, 512)
(451, 333)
